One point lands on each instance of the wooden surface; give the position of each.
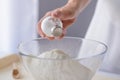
(6, 67)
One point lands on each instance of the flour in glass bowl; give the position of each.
(57, 65)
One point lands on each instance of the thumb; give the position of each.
(57, 14)
(63, 13)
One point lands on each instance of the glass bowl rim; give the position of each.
(66, 37)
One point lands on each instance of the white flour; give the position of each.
(63, 69)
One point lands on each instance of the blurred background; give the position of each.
(18, 21)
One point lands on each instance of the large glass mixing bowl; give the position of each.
(88, 53)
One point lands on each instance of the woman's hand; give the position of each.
(67, 14)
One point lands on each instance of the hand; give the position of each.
(67, 14)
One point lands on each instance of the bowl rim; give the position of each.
(66, 37)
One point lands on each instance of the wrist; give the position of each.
(78, 5)
(74, 3)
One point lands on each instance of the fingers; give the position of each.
(67, 23)
(64, 13)
(50, 38)
(57, 13)
(66, 16)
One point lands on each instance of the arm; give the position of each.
(77, 5)
(67, 14)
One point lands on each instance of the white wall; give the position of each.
(79, 28)
(17, 23)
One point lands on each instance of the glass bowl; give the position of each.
(85, 59)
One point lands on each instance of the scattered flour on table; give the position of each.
(63, 68)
